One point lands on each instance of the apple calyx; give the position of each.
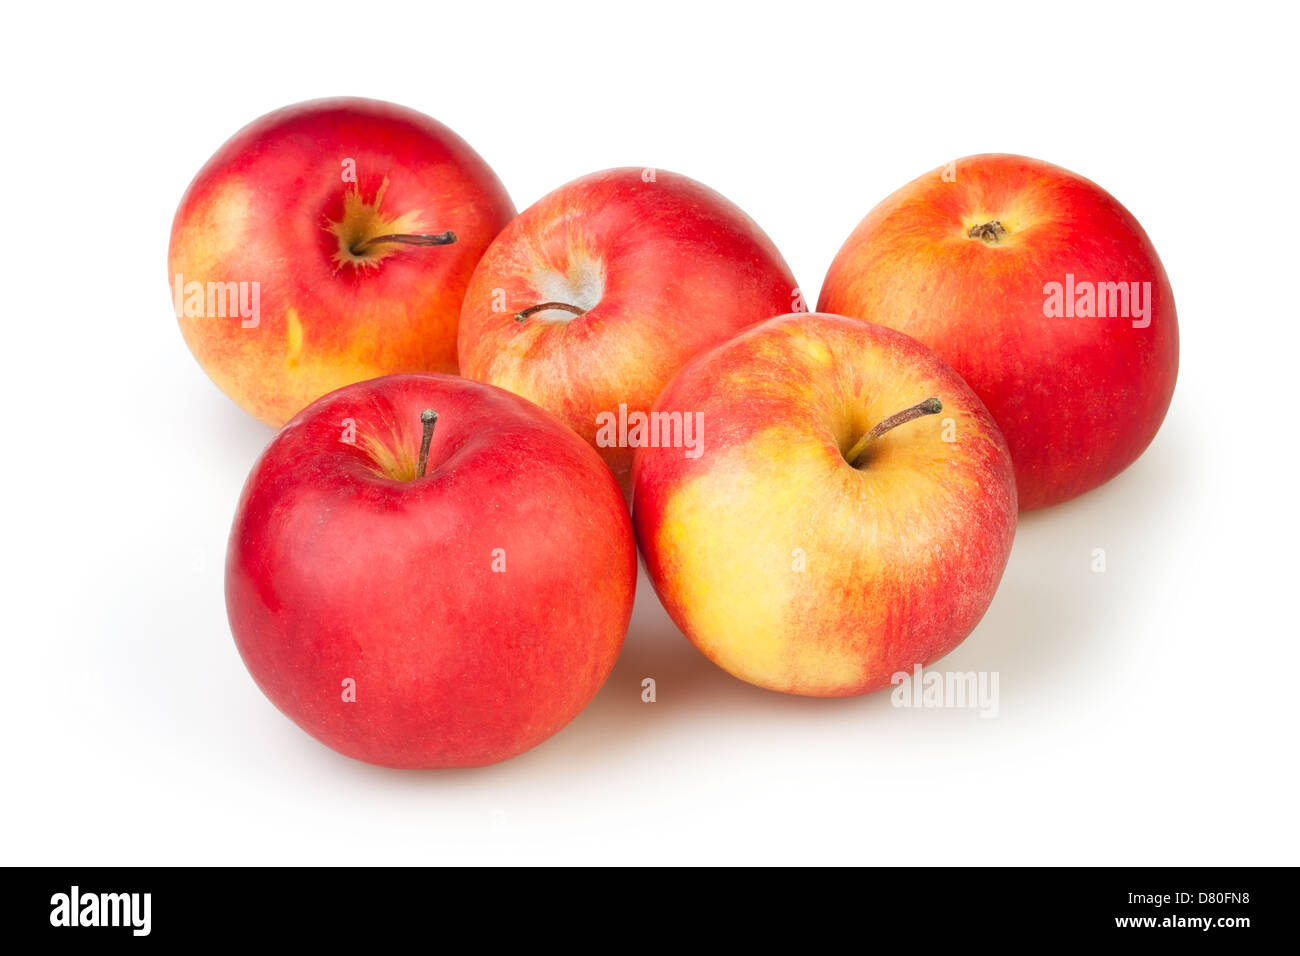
(534, 309)
(991, 232)
(931, 406)
(428, 418)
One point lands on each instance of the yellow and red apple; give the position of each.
(598, 293)
(847, 516)
(1043, 292)
(426, 571)
(327, 243)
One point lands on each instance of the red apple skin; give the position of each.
(900, 556)
(273, 207)
(337, 571)
(664, 268)
(1078, 399)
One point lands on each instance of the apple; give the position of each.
(592, 299)
(848, 516)
(327, 243)
(1043, 292)
(426, 571)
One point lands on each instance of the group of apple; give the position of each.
(433, 563)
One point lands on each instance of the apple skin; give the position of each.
(336, 570)
(272, 207)
(901, 556)
(663, 268)
(1078, 399)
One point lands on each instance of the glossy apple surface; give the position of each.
(294, 203)
(649, 266)
(475, 610)
(968, 259)
(792, 568)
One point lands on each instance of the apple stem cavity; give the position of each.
(428, 418)
(534, 309)
(931, 406)
(406, 238)
(991, 232)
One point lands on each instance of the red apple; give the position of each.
(450, 614)
(327, 243)
(846, 517)
(1043, 292)
(594, 296)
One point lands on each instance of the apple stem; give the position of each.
(533, 309)
(407, 238)
(931, 406)
(428, 418)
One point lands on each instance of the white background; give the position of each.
(1148, 714)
